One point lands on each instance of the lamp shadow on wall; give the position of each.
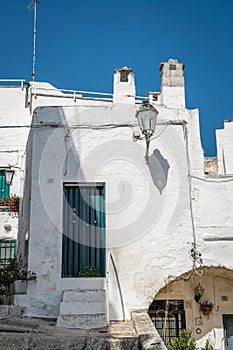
(159, 168)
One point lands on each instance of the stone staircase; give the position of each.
(83, 308)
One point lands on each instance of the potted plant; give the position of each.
(14, 277)
(206, 307)
(89, 271)
(12, 203)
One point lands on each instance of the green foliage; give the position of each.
(12, 202)
(89, 271)
(185, 342)
(12, 271)
(207, 346)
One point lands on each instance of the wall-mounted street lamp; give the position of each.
(9, 176)
(147, 116)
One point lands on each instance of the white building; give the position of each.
(91, 199)
(15, 121)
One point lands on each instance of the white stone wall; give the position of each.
(15, 121)
(224, 139)
(146, 240)
(154, 211)
(124, 91)
(8, 225)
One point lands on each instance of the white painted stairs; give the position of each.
(83, 308)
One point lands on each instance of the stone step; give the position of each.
(11, 310)
(84, 295)
(82, 321)
(81, 307)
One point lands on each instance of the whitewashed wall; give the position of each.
(224, 140)
(149, 228)
(15, 121)
(153, 211)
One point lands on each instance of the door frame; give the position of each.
(224, 317)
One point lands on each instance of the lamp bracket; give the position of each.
(137, 136)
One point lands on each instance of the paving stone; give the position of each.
(41, 334)
(4, 310)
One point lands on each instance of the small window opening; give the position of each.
(155, 97)
(124, 74)
(172, 67)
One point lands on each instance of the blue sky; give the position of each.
(80, 42)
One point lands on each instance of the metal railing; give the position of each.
(54, 92)
(7, 251)
(73, 93)
(44, 91)
(16, 82)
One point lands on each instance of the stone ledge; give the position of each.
(84, 295)
(85, 321)
(148, 336)
(11, 310)
(82, 307)
(41, 334)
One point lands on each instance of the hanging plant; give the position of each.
(206, 307)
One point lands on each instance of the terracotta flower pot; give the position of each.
(206, 309)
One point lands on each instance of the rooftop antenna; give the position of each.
(32, 5)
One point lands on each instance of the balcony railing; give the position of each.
(65, 93)
(13, 82)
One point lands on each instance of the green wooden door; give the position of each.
(4, 188)
(83, 243)
(228, 328)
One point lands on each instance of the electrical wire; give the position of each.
(220, 177)
(194, 253)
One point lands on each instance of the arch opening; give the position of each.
(180, 304)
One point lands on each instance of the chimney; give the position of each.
(172, 84)
(124, 86)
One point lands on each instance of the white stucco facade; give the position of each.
(15, 121)
(224, 148)
(155, 212)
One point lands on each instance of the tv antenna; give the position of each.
(31, 6)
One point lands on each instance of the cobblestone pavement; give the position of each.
(25, 333)
(30, 334)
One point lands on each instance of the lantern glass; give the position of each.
(9, 176)
(147, 116)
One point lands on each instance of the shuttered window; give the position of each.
(83, 243)
(4, 188)
(228, 328)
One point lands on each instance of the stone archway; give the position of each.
(174, 307)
